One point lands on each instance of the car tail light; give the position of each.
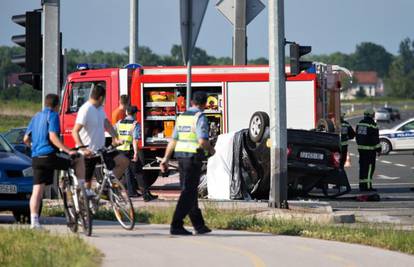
(336, 159)
(289, 151)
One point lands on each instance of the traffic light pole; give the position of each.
(278, 131)
(51, 48)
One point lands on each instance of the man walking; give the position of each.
(129, 131)
(367, 137)
(42, 135)
(347, 133)
(190, 144)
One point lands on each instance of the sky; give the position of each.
(327, 25)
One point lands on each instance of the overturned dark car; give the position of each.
(313, 163)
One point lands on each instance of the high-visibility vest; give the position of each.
(125, 134)
(187, 136)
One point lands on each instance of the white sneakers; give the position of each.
(35, 225)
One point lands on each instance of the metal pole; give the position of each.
(51, 48)
(133, 32)
(65, 65)
(239, 39)
(278, 132)
(190, 52)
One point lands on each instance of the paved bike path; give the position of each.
(151, 245)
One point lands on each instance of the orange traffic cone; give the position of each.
(348, 160)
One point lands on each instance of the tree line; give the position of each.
(396, 70)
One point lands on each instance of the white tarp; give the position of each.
(219, 168)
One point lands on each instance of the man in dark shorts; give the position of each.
(89, 129)
(42, 135)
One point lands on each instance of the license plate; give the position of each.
(8, 189)
(311, 155)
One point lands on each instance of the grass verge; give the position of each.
(25, 247)
(21, 107)
(13, 121)
(373, 235)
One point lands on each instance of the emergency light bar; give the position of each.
(133, 66)
(91, 66)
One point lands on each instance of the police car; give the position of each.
(401, 137)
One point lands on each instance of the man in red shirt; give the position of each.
(119, 113)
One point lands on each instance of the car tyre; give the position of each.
(257, 126)
(385, 146)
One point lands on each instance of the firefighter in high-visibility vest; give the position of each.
(347, 133)
(367, 137)
(129, 131)
(190, 144)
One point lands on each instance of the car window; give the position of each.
(408, 127)
(80, 94)
(12, 136)
(4, 146)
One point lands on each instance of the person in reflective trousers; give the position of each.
(190, 144)
(129, 131)
(347, 133)
(367, 137)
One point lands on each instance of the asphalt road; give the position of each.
(393, 177)
(151, 245)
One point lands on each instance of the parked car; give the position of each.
(15, 138)
(400, 137)
(16, 181)
(382, 115)
(394, 113)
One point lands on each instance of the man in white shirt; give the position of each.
(89, 130)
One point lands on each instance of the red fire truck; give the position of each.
(234, 94)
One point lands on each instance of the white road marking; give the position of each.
(388, 184)
(400, 165)
(385, 177)
(386, 162)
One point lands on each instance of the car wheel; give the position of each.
(385, 146)
(257, 126)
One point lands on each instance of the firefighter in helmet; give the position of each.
(347, 133)
(367, 137)
(129, 131)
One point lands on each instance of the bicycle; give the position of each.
(75, 201)
(117, 194)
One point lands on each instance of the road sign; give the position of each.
(191, 16)
(253, 8)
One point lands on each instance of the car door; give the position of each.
(405, 136)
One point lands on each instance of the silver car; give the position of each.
(382, 115)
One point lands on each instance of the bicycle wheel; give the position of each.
(84, 211)
(122, 205)
(68, 206)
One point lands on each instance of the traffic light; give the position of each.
(296, 51)
(31, 61)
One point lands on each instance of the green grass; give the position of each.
(17, 113)
(378, 100)
(387, 237)
(7, 122)
(22, 247)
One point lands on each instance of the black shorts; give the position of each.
(90, 164)
(44, 167)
